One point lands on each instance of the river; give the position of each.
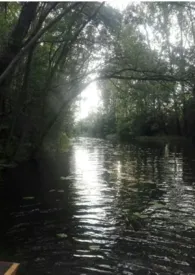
(101, 208)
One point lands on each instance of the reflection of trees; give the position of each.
(179, 196)
(136, 174)
(188, 152)
(162, 191)
(110, 183)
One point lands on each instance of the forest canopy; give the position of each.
(142, 59)
(147, 85)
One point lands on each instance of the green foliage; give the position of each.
(37, 92)
(150, 91)
(143, 60)
(61, 235)
(64, 142)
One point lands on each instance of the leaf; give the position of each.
(94, 247)
(192, 223)
(8, 165)
(62, 235)
(158, 205)
(28, 198)
(52, 190)
(140, 215)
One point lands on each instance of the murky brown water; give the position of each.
(102, 209)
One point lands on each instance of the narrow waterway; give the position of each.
(102, 208)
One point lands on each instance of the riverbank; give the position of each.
(163, 139)
(151, 139)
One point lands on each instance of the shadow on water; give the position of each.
(35, 208)
(101, 209)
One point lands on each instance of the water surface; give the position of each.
(102, 208)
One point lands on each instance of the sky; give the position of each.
(90, 97)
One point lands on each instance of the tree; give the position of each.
(47, 68)
(149, 75)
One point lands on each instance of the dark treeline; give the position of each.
(142, 58)
(152, 89)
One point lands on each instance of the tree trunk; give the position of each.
(19, 106)
(17, 36)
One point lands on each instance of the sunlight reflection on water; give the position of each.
(110, 209)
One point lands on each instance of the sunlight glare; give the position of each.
(89, 102)
(120, 5)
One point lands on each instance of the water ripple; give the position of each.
(111, 209)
